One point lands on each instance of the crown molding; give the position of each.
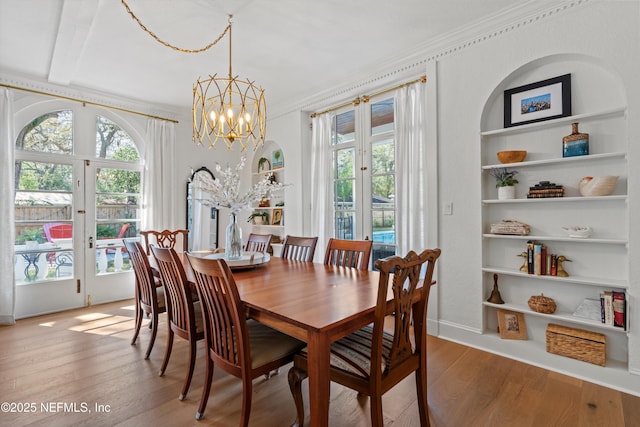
(408, 65)
(80, 94)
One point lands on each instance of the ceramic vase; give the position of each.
(576, 144)
(507, 192)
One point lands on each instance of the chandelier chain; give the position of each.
(159, 40)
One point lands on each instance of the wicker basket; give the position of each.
(542, 304)
(577, 344)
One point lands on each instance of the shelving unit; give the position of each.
(278, 231)
(598, 263)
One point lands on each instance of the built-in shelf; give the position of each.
(557, 316)
(558, 199)
(619, 111)
(588, 281)
(560, 160)
(556, 239)
(269, 171)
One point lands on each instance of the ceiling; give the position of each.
(292, 48)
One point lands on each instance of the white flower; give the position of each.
(224, 190)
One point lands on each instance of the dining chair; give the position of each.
(149, 297)
(184, 315)
(258, 242)
(240, 346)
(348, 253)
(165, 239)
(299, 248)
(373, 360)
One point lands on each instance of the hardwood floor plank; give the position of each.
(84, 357)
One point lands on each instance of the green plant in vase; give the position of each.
(258, 218)
(263, 164)
(505, 182)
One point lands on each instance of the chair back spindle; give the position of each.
(299, 248)
(348, 253)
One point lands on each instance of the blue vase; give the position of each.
(233, 244)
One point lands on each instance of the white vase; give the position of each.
(506, 193)
(117, 260)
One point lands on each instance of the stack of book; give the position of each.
(613, 308)
(545, 189)
(540, 261)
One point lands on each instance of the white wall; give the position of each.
(467, 75)
(607, 31)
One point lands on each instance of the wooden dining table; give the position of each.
(315, 303)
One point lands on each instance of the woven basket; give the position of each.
(577, 344)
(542, 304)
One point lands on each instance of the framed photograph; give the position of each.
(511, 325)
(276, 216)
(535, 102)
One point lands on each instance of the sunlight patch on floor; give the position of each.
(105, 325)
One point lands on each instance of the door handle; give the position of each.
(90, 242)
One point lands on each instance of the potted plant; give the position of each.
(263, 164)
(505, 182)
(31, 236)
(259, 218)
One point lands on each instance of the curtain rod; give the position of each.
(97, 104)
(365, 98)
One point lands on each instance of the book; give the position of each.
(619, 306)
(537, 260)
(607, 307)
(530, 246)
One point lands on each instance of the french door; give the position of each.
(77, 197)
(363, 153)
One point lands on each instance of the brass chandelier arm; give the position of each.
(152, 34)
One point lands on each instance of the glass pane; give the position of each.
(112, 142)
(344, 163)
(345, 225)
(49, 133)
(343, 128)
(43, 221)
(345, 178)
(117, 217)
(382, 117)
(383, 157)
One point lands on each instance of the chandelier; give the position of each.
(229, 109)
(225, 108)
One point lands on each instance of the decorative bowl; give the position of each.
(578, 231)
(597, 185)
(512, 156)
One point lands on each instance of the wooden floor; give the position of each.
(77, 368)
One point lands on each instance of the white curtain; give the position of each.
(7, 231)
(321, 189)
(411, 169)
(158, 179)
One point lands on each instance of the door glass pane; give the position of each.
(383, 198)
(382, 117)
(112, 142)
(43, 221)
(343, 128)
(49, 133)
(344, 203)
(117, 217)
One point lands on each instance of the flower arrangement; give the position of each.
(504, 177)
(223, 192)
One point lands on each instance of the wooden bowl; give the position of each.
(512, 156)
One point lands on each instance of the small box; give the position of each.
(576, 343)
